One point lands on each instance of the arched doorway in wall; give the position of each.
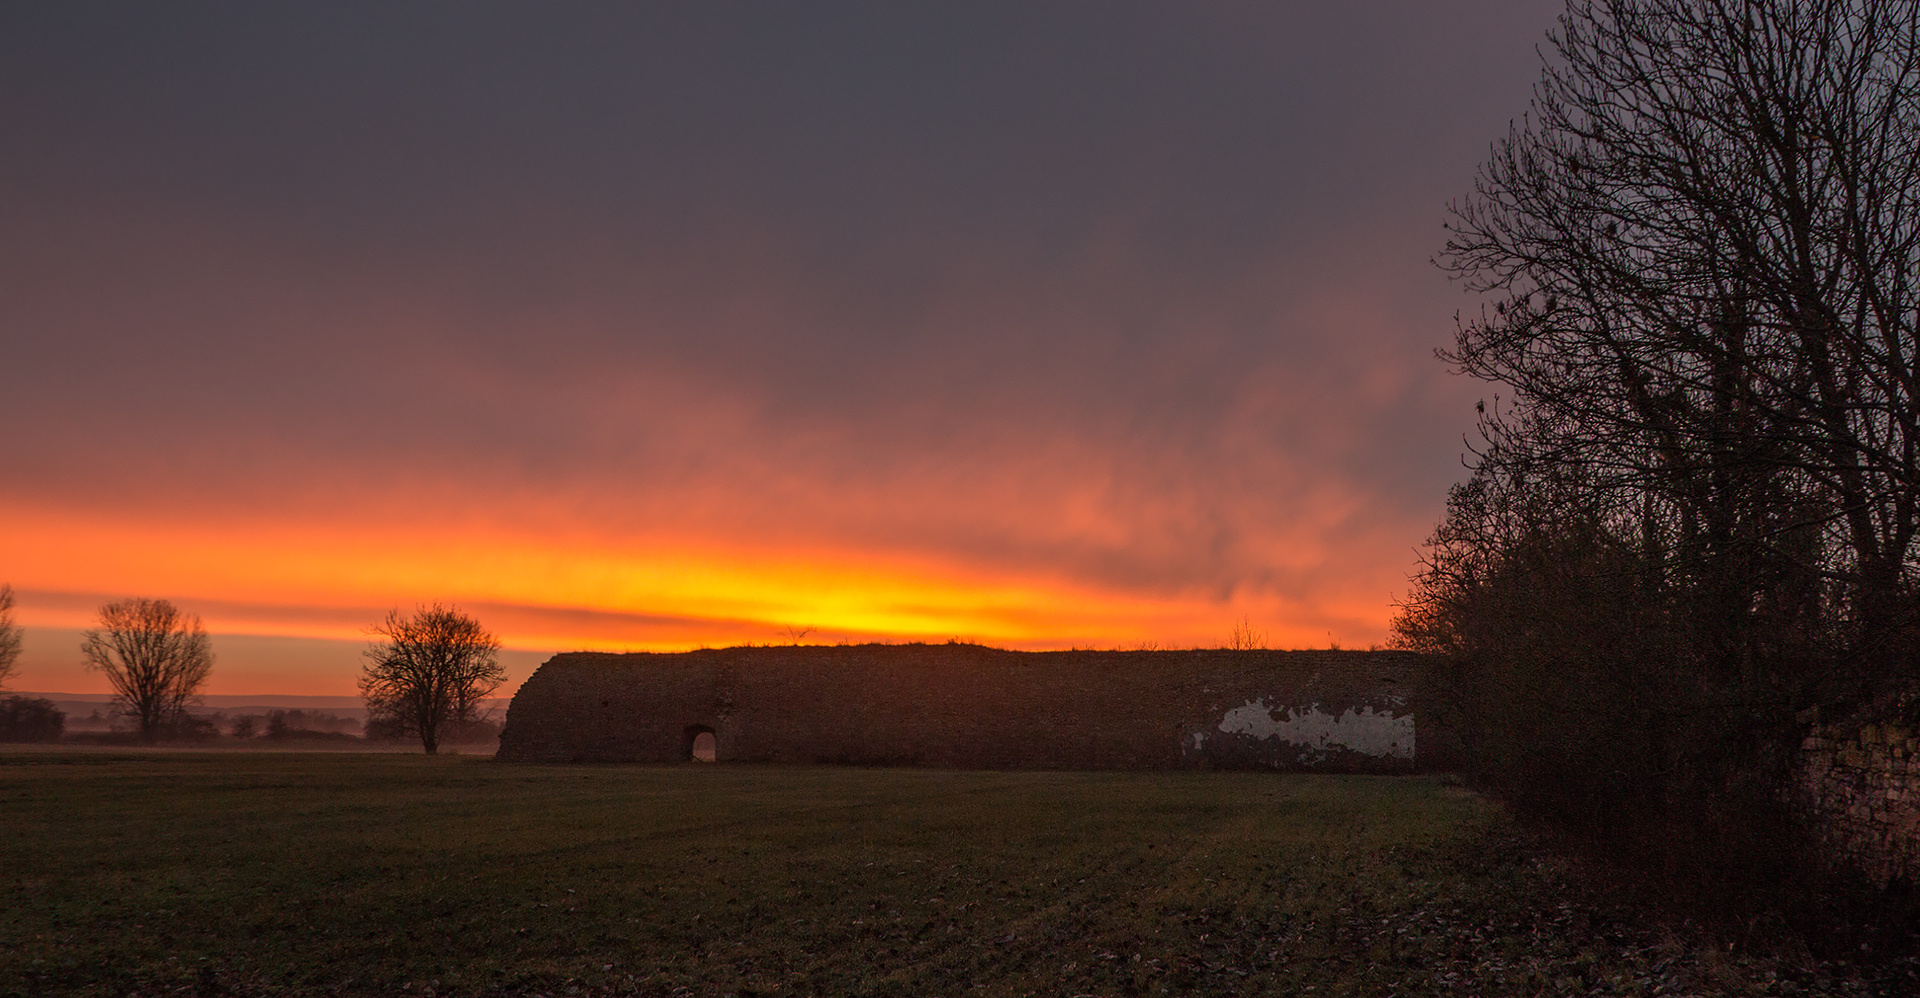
(698, 745)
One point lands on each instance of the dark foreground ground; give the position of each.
(242, 874)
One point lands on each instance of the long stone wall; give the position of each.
(966, 706)
(1861, 791)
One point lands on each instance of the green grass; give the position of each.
(225, 873)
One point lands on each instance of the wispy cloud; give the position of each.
(655, 329)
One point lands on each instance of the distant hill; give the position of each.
(82, 708)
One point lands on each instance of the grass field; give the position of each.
(230, 873)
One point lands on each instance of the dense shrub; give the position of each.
(28, 719)
(1692, 521)
(184, 727)
(1608, 688)
(303, 724)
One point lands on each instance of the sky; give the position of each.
(659, 326)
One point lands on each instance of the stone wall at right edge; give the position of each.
(1859, 789)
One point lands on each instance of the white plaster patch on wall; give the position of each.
(1369, 732)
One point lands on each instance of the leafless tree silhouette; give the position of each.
(428, 670)
(1692, 523)
(1245, 638)
(156, 657)
(9, 637)
(1703, 250)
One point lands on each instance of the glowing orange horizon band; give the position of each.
(717, 592)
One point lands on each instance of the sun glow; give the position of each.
(583, 591)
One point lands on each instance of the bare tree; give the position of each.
(1245, 638)
(1704, 253)
(9, 636)
(156, 657)
(429, 670)
(1697, 512)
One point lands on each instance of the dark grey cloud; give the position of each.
(249, 248)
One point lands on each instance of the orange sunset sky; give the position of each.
(665, 327)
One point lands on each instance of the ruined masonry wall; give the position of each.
(1862, 792)
(967, 706)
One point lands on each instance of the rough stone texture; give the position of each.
(966, 706)
(1859, 789)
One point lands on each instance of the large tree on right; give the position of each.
(1694, 512)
